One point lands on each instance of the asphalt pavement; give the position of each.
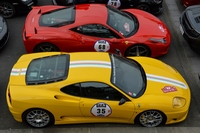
(173, 9)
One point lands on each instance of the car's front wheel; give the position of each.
(144, 7)
(7, 10)
(138, 50)
(38, 118)
(151, 118)
(46, 47)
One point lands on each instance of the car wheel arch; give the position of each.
(10, 4)
(136, 119)
(138, 44)
(45, 43)
(52, 117)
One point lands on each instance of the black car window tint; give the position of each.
(95, 30)
(58, 18)
(73, 89)
(97, 90)
(104, 32)
(48, 69)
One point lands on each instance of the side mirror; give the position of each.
(122, 101)
(117, 51)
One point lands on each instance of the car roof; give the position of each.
(88, 66)
(91, 13)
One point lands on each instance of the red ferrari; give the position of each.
(95, 27)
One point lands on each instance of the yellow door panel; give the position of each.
(96, 109)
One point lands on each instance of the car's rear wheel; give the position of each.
(46, 47)
(138, 50)
(7, 10)
(151, 118)
(38, 118)
(144, 7)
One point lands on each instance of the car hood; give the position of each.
(162, 79)
(149, 25)
(193, 16)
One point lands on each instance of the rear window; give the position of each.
(57, 18)
(48, 69)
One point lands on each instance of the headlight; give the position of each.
(24, 0)
(158, 1)
(155, 40)
(178, 102)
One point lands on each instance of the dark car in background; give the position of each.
(190, 26)
(4, 33)
(10, 8)
(152, 6)
(187, 3)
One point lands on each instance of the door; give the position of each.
(96, 37)
(100, 103)
(68, 102)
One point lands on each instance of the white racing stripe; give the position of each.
(90, 63)
(17, 72)
(166, 80)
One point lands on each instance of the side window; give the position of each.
(97, 90)
(95, 30)
(73, 89)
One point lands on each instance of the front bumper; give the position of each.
(190, 35)
(4, 35)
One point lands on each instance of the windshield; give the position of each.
(121, 22)
(57, 18)
(128, 76)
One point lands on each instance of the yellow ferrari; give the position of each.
(92, 87)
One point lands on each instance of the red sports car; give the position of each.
(95, 27)
(187, 3)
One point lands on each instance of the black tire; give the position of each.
(151, 118)
(46, 47)
(144, 7)
(38, 118)
(7, 10)
(138, 50)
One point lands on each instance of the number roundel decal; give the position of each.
(101, 109)
(114, 3)
(101, 46)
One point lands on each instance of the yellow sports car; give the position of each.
(92, 87)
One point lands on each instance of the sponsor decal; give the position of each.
(161, 28)
(167, 89)
(101, 46)
(101, 109)
(114, 3)
(90, 63)
(166, 80)
(127, 27)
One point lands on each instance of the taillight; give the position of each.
(9, 96)
(27, 35)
